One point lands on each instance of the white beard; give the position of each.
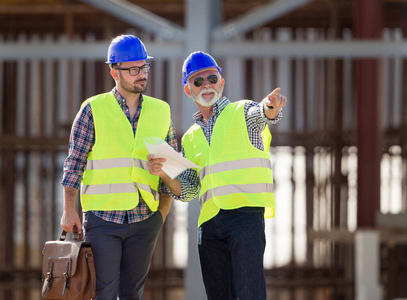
(207, 102)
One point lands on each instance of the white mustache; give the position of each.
(207, 90)
(207, 102)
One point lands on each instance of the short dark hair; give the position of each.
(113, 65)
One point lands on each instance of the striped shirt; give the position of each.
(81, 141)
(256, 121)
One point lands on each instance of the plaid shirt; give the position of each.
(256, 122)
(81, 142)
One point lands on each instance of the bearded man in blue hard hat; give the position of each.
(124, 205)
(230, 142)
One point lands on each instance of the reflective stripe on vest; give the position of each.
(121, 162)
(232, 165)
(233, 189)
(241, 188)
(116, 188)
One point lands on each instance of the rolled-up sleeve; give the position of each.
(81, 141)
(255, 116)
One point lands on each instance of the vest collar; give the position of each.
(121, 100)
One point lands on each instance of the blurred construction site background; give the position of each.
(339, 154)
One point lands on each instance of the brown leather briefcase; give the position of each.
(68, 271)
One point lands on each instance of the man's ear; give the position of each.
(115, 74)
(187, 91)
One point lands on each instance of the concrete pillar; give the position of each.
(201, 17)
(367, 265)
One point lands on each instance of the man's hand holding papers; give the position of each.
(164, 157)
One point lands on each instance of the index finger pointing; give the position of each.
(275, 92)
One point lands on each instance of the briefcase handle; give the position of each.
(62, 237)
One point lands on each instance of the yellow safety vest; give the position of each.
(116, 169)
(234, 173)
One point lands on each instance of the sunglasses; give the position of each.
(200, 80)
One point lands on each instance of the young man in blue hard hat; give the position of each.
(230, 142)
(124, 205)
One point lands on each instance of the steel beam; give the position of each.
(256, 17)
(201, 16)
(170, 50)
(320, 49)
(368, 25)
(140, 17)
(79, 50)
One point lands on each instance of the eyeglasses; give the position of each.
(136, 70)
(200, 80)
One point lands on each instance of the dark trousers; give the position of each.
(122, 254)
(231, 248)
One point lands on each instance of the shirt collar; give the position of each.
(121, 99)
(217, 109)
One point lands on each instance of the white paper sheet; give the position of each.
(175, 163)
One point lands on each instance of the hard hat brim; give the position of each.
(147, 58)
(203, 69)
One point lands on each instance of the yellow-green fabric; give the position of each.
(234, 173)
(116, 170)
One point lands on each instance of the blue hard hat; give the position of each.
(197, 61)
(126, 48)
